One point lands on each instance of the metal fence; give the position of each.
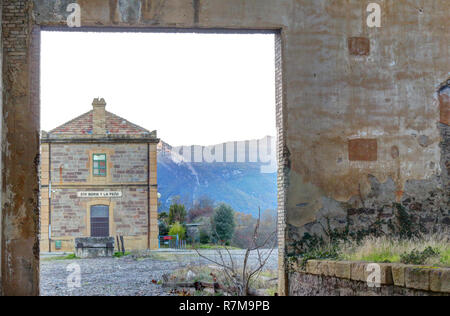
(171, 241)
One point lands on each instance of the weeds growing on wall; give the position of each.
(334, 244)
(419, 257)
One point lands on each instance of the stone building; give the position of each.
(98, 178)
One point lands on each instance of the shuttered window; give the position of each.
(99, 165)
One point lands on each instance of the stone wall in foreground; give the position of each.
(341, 278)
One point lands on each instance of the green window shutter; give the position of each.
(99, 165)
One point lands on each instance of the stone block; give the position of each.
(386, 273)
(327, 268)
(398, 274)
(312, 267)
(358, 271)
(440, 280)
(94, 247)
(343, 269)
(418, 278)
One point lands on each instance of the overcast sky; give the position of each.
(192, 88)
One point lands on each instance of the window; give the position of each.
(99, 221)
(99, 167)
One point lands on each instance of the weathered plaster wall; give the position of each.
(1, 124)
(346, 121)
(20, 155)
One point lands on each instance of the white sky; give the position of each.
(198, 89)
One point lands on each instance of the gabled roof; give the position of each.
(83, 125)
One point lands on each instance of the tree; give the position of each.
(163, 223)
(204, 237)
(177, 213)
(239, 277)
(177, 229)
(223, 223)
(203, 207)
(245, 223)
(163, 216)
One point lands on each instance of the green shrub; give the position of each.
(419, 257)
(324, 253)
(204, 237)
(177, 229)
(163, 228)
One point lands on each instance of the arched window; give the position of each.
(100, 221)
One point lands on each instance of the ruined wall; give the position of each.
(358, 111)
(1, 124)
(20, 154)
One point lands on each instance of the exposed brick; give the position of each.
(362, 149)
(444, 105)
(359, 46)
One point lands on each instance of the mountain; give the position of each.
(241, 174)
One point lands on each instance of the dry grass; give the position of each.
(265, 282)
(388, 249)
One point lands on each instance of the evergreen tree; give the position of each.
(223, 223)
(177, 213)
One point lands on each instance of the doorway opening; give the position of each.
(176, 142)
(99, 221)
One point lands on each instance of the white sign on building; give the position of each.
(91, 194)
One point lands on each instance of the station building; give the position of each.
(98, 179)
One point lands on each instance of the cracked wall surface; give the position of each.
(359, 114)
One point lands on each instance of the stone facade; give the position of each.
(67, 170)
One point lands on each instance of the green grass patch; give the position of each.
(67, 257)
(430, 250)
(121, 254)
(212, 247)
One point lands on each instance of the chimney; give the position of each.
(99, 117)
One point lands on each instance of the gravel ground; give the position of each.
(127, 276)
